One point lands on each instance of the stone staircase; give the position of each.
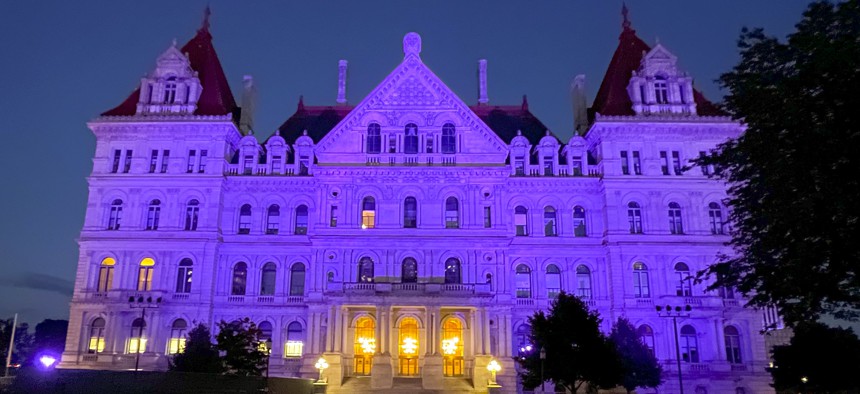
(361, 385)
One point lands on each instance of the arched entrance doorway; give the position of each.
(408, 346)
(452, 347)
(365, 345)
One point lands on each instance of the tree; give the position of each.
(829, 358)
(793, 175)
(23, 341)
(50, 336)
(639, 367)
(199, 355)
(240, 342)
(576, 351)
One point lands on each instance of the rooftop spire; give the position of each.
(625, 23)
(206, 13)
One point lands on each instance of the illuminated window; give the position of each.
(553, 281)
(301, 219)
(297, 279)
(409, 271)
(646, 334)
(684, 283)
(549, 227)
(715, 216)
(733, 345)
(115, 215)
(452, 271)
(449, 139)
(295, 340)
(267, 279)
(579, 229)
(410, 213)
(521, 220)
(408, 347)
(240, 279)
(97, 336)
(176, 344)
(368, 213)
(452, 347)
(245, 219)
(689, 345)
(583, 282)
(374, 139)
(675, 224)
(153, 214)
(634, 217)
(265, 337)
(192, 212)
(641, 287)
(105, 282)
(523, 281)
(365, 345)
(136, 341)
(410, 141)
(452, 213)
(183, 276)
(273, 219)
(144, 274)
(365, 270)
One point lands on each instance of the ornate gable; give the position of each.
(407, 119)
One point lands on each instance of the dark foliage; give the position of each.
(828, 357)
(200, 354)
(239, 341)
(23, 342)
(639, 367)
(793, 176)
(50, 336)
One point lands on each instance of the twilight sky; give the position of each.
(65, 62)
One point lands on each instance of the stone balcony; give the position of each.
(383, 288)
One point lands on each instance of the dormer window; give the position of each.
(170, 90)
(661, 90)
(658, 86)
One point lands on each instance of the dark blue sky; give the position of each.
(65, 62)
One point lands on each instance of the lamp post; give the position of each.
(542, 358)
(494, 368)
(675, 313)
(142, 304)
(321, 365)
(268, 358)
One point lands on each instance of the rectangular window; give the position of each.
(165, 159)
(429, 144)
(706, 170)
(247, 165)
(488, 214)
(676, 162)
(293, 349)
(519, 166)
(202, 166)
(392, 143)
(116, 156)
(276, 164)
(192, 155)
(637, 164)
(333, 216)
(664, 162)
(625, 165)
(153, 161)
(577, 166)
(127, 166)
(304, 164)
(547, 166)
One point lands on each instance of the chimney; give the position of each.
(482, 82)
(249, 105)
(580, 108)
(341, 82)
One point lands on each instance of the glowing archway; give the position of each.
(452, 347)
(365, 345)
(408, 346)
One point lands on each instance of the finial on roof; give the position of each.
(412, 44)
(519, 132)
(278, 132)
(525, 103)
(305, 132)
(548, 133)
(625, 24)
(174, 42)
(301, 106)
(206, 13)
(657, 40)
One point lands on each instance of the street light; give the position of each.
(494, 368)
(542, 358)
(268, 357)
(321, 365)
(143, 304)
(675, 313)
(47, 361)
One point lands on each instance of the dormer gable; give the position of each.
(658, 86)
(172, 87)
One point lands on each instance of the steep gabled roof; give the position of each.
(216, 97)
(506, 120)
(612, 97)
(318, 120)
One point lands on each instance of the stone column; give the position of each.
(431, 375)
(382, 375)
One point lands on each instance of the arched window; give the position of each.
(733, 345)
(105, 282)
(176, 344)
(452, 347)
(646, 334)
(297, 279)
(97, 336)
(144, 274)
(449, 139)
(183, 276)
(410, 213)
(579, 229)
(240, 279)
(115, 215)
(295, 340)
(452, 271)
(368, 212)
(245, 219)
(675, 224)
(374, 138)
(634, 217)
(273, 219)
(583, 282)
(521, 220)
(268, 278)
(661, 90)
(553, 281)
(641, 286)
(153, 213)
(452, 213)
(715, 218)
(136, 340)
(409, 270)
(689, 345)
(364, 345)
(365, 270)
(265, 337)
(523, 281)
(410, 141)
(302, 219)
(408, 349)
(192, 211)
(549, 227)
(522, 337)
(684, 283)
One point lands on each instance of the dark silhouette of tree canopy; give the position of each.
(639, 367)
(240, 342)
(23, 342)
(576, 351)
(200, 354)
(794, 176)
(828, 357)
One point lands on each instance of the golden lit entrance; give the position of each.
(452, 347)
(365, 345)
(408, 347)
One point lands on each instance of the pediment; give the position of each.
(659, 60)
(174, 63)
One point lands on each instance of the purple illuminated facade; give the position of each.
(408, 237)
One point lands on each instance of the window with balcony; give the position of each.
(96, 343)
(301, 220)
(295, 340)
(136, 339)
(449, 139)
(410, 140)
(523, 281)
(452, 271)
(683, 280)
(144, 274)
(239, 280)
(268, 278)
(641, 285)
(409, 271)
(689, 345)
(452, 213)
(733, 345)
(583, 282)
(553, 281)
(297, 279)
(365, 270)
(374, 138)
